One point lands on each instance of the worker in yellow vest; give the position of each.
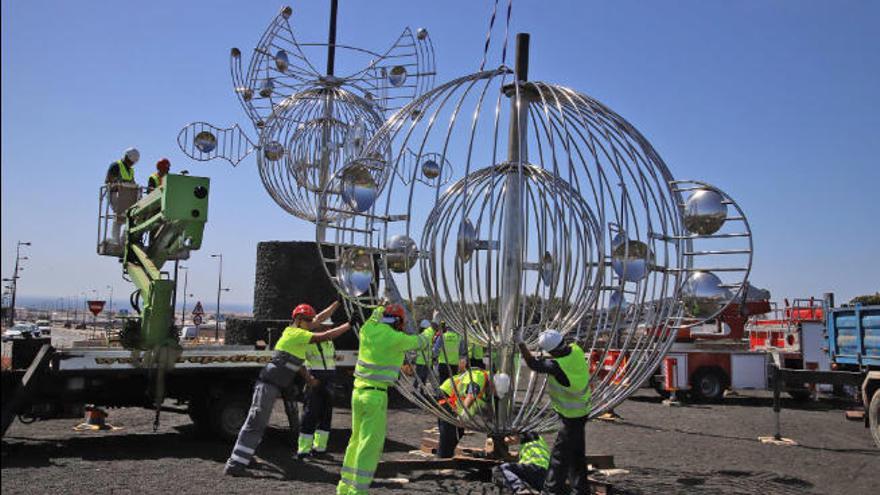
(383, 346)
(568, 384)
(527, 474)
(450, 350)
(424, 356)
(122, 191)
(314, 428)
(279, 378)
(462, 395)
(158, 177)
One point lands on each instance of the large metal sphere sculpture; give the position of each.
(559, 214)
(310, 124)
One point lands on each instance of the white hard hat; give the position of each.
(133, 155)
(550, 339)
(424, 324)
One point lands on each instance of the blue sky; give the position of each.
(774, 101)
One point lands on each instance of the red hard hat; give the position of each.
(303, 310)
(163, 165)
(395, 310)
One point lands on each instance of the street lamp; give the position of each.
(185, 280)
(219, 290)
(18, 258)
(110, 309)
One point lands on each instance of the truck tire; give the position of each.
(800, 394)
(227, 414)
(874, 417)
(658, 387)
(708, 384)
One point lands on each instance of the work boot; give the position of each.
(235, 469)
(301, 456)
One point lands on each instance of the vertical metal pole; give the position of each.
(777, 407)
(328, 113)
(183, 310)
(512, 224)
(219, 289)
(174, 295)
(331, 39)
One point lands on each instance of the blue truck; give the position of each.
(852, 335)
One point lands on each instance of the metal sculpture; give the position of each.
(559, 214)
(309, 123)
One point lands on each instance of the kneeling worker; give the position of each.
(383, 346)
(568, 385)
(462, 395)
(527, 474)
(278, 378)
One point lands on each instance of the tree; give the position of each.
(867, 299)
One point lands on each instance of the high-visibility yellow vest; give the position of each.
(425, 349)
(449, 351)
(461, 382)
(381, 352)
(572, 401)
(126, 174)
(476, 351)
(321, 356)
(156, 178)
(536, 452)
(294, 341)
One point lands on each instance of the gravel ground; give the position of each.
(706, 449)
(701, 449)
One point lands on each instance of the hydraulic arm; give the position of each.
(166, 224)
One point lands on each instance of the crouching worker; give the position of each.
(383, 345)
(279, 378)
(528, 473)
(463, 395)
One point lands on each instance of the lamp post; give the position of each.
(18, 258)
(219, 290)
(185, 280)
(110, 309)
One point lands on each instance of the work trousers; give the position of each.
(369, 409)
(568, 463)
(121, 198)
(314, 429)
(254, 426)
(449, 437)
(515, 476)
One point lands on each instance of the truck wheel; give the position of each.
(659, 388)
(800, 394)
(874, 417)
(708, 385)
(228, 414)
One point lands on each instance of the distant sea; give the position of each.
(41, 302)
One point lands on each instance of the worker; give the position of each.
(122, 190)
(158, 177)
(450, 350)
(462, 395)
(279, 377)
(527, 474)
(314, 428)
(476, 353)
(424, 353)
(568, 384)
(383, 346)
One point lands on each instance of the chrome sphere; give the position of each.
(704, 212)
(630, 259)
(703, 295)
(401, 254)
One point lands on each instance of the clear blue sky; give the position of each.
(775, 101)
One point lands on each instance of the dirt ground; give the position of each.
(705, 449)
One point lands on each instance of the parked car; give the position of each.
(21, 331)
(45, 327)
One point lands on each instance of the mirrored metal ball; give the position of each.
(421, 33)
(401, 253)
(397, 76)
(703, 295)
(430, 169)
(355, 272)
(548, 268)
(267, 88)
(281, 60)
(273, 151)
(467, 241)
(704, 212)
(630, 259)
(359, 190)
(205, 141)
